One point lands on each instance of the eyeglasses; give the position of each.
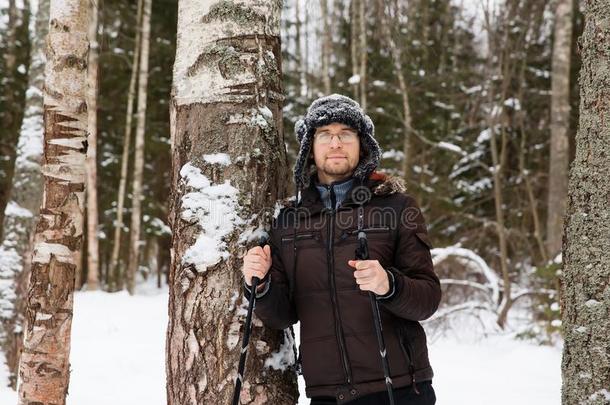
(324, 138)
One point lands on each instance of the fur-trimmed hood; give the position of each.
(388, 184)
(324, 111)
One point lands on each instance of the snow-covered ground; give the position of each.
(118, 357)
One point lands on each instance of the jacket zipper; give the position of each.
(333, 296)
(301, 236)
(409, 355)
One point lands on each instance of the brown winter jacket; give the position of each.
(310, 281)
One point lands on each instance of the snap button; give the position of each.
(341, 396)
(353, 392)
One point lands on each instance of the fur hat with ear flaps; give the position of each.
(343, 110)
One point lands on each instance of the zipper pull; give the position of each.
(414, 385)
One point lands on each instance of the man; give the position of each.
(309, 274)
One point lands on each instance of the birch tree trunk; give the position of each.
(586, 268)
(115, 270)
(354, 42)
(363, 52)
(560, 126)
(44, 366)
(136, 212)
(301, 67)
(326, 46)
(229, 169)
(92, 211)
(386, 23)
(26, 195)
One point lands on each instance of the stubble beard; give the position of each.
(337, 170)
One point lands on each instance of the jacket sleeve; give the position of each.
(416, 288)
(273, 305)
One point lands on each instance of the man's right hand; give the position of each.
(257, 263)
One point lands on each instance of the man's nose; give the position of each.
(335, 142)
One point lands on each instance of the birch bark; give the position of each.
(92, 211)
(116, 273)
(138, 172)
(44, 367)
(326, 46)
(560, 126)
(229, 169)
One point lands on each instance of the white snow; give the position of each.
(284, 357)
(497, 369)
(118, 357)
(452, 147)
(484, 136)
(513, 103)
(214, 208)
(397, 155)
(355, 79)
(601, 394)
(222, 159)
(13, 209)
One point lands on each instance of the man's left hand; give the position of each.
(370, 276)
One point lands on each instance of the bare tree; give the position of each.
(326, 46)
(386, 23)
(560, 126)
(354, 42)
(363, 52)
(26, 195)
(586, 262)
(136, 211)
(229, 169)
(44, 367)
(14, 38)
(92, 211)
(115, 270)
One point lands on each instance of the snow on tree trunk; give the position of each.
(136, 213)
(229, 169)
(92, 211)
(26, 195)
(586, 272)
(44, 365)
(560, 126)
(115, 270)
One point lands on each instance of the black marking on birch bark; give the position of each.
(55, 24)
(82, 107)
(55, 94)
(85, 146)
(70, 61)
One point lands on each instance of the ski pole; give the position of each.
(246, 337)
(362, 253)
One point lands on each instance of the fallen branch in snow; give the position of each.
(472, 305)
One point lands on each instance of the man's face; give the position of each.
(335, 158)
